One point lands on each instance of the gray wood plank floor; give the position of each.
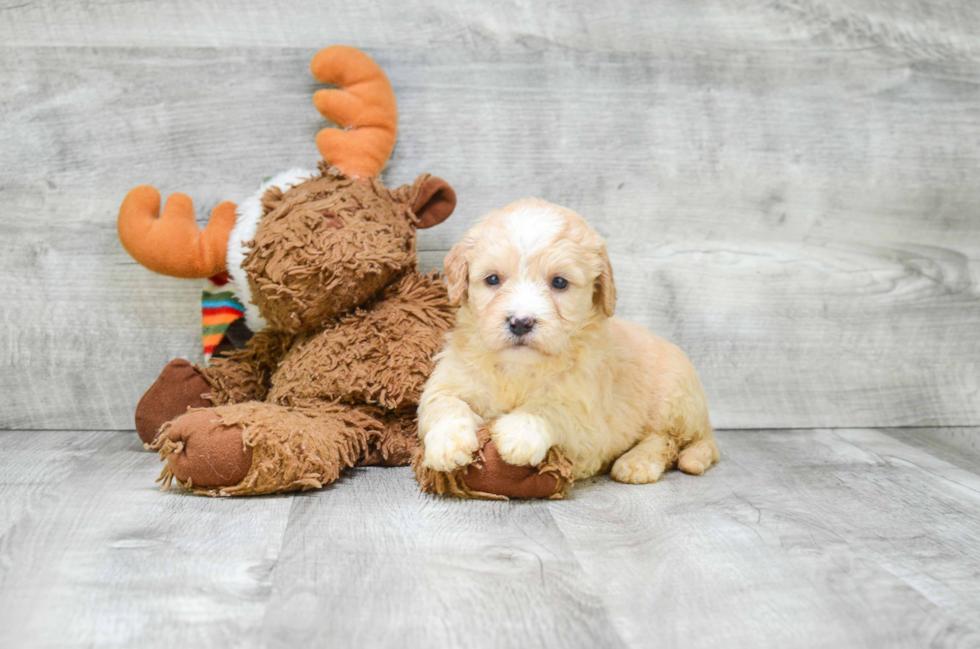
(805, 538)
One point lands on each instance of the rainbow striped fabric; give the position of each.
(220, 307)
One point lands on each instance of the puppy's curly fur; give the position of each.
(538, 353)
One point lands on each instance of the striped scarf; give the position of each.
(220, 307)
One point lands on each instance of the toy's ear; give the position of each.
(434, 203)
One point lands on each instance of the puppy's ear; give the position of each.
(605, 288)
(457, 273)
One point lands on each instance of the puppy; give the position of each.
(537, 352)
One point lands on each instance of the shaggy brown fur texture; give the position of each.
(326, 246)
(379, 354)
(335, 379)
(246, 374)
(297, 448)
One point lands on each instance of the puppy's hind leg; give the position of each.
(690, 426)
(698, 456)
(685, 416)
(680, 432)
(647, 461)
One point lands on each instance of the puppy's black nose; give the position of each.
(520, 326)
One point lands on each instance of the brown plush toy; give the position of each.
(347, 326)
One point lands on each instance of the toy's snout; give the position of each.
(325, 247)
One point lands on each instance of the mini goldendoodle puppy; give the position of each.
(537, 352)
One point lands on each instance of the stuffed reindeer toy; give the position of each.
(346, 326)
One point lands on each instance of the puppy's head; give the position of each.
(530, 278)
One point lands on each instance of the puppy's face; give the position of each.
(530, 277)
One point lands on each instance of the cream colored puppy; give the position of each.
(537, 352)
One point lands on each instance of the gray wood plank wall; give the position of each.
(789, 187)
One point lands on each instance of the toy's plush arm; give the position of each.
(380, 354)
(245, 374)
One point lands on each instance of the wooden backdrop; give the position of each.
(789, 188)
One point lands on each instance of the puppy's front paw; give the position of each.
(450, 444)
(522, 439)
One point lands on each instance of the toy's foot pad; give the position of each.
(495, 476)
(178, 388)
(492, 478)
(203, 452)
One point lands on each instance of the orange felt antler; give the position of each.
(363, 106)
(171, 243)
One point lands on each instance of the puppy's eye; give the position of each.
(559, 283)
(492, 280)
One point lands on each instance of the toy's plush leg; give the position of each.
(238, 377)
(395, 446)
(489, 477)
(178, 388)
(260, 448)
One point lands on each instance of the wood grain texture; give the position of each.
(101, 558)
(802, 538)
(788, 188)
(862, 537)
(960, 446)
(931, 30)
(437, 572)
